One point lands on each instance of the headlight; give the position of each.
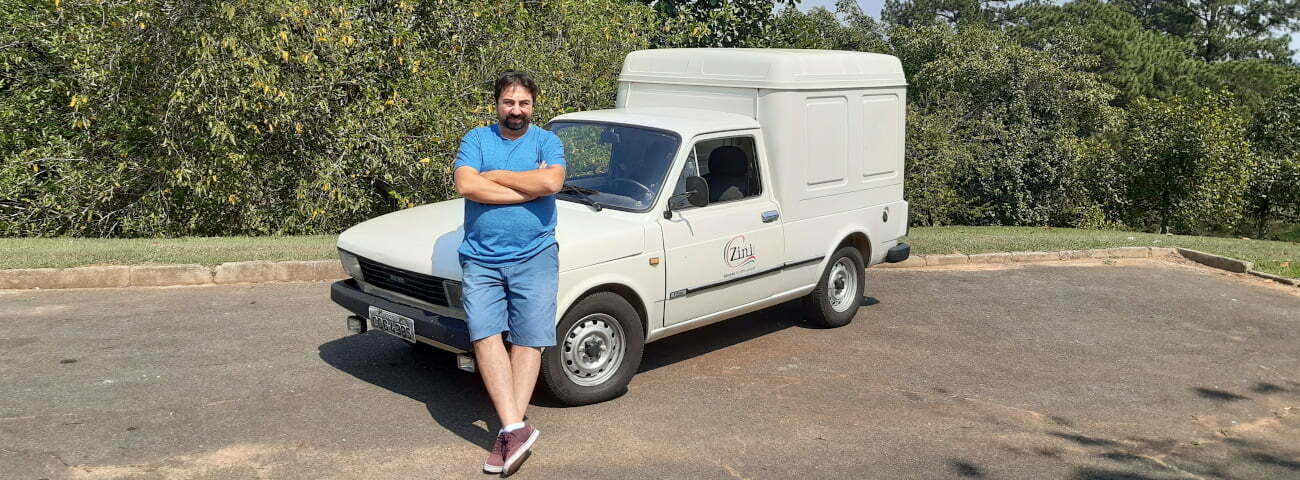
(350, 264)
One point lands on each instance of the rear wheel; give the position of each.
(598, 349)
(838, 294)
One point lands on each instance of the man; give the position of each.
(508, 174)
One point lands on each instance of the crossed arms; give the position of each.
(501, 187)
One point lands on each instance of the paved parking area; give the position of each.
(1130, 370)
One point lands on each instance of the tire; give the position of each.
(835, 301)
(597, 350)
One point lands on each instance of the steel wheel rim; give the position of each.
(842, 285)
(592, 349)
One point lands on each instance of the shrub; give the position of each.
(1186, 164)
(127, 118)
(1003, 121)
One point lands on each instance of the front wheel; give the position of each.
(597, 350)
(839, 292)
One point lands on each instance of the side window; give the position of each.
(729, 166)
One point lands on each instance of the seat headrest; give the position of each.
(728, 160)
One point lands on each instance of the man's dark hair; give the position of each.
(511, 77)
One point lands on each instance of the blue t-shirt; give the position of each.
(501, 235)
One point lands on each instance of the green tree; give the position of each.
(1136, 61)
(66, 131)
(936, 149)
(1187, 164)
(1251, 82)
(131, 118)
(718, 23)
(1005, 121)
(1275, 182)
(1224, 29)
(922, 13)
(817, 29)
(845, 29)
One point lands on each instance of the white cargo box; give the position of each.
(832, 121)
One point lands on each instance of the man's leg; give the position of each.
(524, 364)
(495, 366)
(486, 306)
(531, 288)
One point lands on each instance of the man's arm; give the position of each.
(472, 185)
(540, 182)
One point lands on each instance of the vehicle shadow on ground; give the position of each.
(454, 399)
(457, 400)
(728, 332)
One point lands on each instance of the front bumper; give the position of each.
(447, 333)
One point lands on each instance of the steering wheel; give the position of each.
(648, 192)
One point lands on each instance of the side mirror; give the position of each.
(696, 195)
(697, 191)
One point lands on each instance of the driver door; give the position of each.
(729, 252)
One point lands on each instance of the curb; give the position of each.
(1030, 257)
(1221, 263)
(170, 275)
(1207, 259)
(1275, 278)
(323, 270)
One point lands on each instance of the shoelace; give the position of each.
(502, 443)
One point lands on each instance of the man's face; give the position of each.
(515, 107)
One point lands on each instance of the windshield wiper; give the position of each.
(584, 196)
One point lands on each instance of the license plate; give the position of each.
(392, 323)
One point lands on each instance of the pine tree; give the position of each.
(1136, 61)
(1224, 29)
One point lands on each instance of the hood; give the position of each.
(424, 239)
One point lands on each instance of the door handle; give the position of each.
(770, 216)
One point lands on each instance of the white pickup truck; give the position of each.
(724, 181)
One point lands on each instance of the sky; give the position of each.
(872, 7)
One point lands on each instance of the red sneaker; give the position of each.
(496, 459)
(516, 448)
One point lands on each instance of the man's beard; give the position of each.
(515, 122)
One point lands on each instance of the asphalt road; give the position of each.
(1129, 370)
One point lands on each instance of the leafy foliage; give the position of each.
(1186, 165)
(184, 117)
(130, 118)
(1136, 61)
(1253, 83)
(925, 13)
(1224, 29)
(1275, 182)
(845, 29)
(1021, 111)
(717, 23)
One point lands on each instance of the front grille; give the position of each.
(419, 286)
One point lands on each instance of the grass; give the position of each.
(1279, 258)
(75, 252)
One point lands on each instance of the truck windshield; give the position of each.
(616, 166)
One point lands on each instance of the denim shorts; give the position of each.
(519, 299)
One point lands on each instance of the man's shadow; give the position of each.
(458, 401)
(454, 399)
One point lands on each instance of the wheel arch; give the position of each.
(857, 239)
(620, 289)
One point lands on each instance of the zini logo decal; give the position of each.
(738, 252)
